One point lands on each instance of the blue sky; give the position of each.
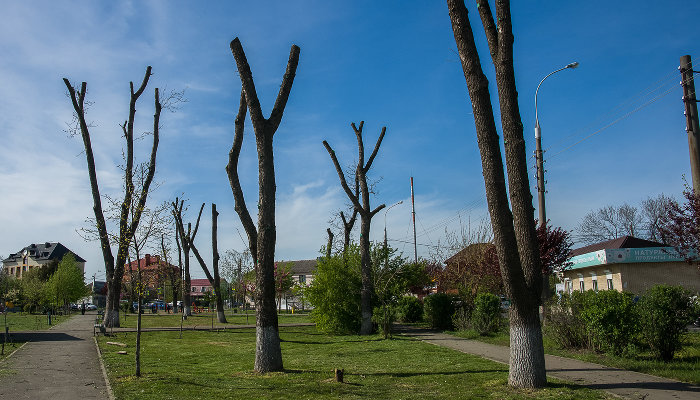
(388, 63)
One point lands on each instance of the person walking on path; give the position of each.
(58, 364)
(627, 384)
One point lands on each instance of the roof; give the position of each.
(624, 242)
(148, 262)
(200, 282)
(469, 251)
(44, 251)
(302, 267)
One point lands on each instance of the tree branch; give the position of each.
(376, 149)
(232, 172)
(353, 198)
(489, 27)
(196, 226)
(79, 108)
(360, 144)
(248, 86)
(285, 89)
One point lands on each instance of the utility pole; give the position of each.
(691, 117)
(539, 160)
(413, 207)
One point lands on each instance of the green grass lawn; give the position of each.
(29, 322)
(207, 365)
(684, 367)
(203, 319)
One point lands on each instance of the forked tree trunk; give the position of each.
(268, 353)
(215, 280)
(127, 225)
(366, 214)
(514, 233)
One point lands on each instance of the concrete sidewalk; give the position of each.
(58, 364)
(628, 384)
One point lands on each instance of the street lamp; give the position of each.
(539, 159)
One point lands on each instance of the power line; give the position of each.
(668, 88)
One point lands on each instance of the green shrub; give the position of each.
(335, 293)
(664, 313)
(410, 309)
(486, 317)
(610, 319)
(384, 316)
(461, 319)
(564, 324)
(438, 309)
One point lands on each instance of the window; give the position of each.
(581, 286)
(302, 279)
(610, 284)
(194, 289)
(595, 285)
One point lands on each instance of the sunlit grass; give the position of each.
(203, 319)
(206, 365)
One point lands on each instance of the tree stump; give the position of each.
(339, 375)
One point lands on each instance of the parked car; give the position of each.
(90, 307)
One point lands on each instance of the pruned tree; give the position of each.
(186, 238)
(129, 221)
(268, 353)
(215, 279)
(514, 231)
(361, 205)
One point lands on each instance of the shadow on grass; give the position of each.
(431, 373)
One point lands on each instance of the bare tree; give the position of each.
(654, 209)
(268, 354)
(514, 231)
(186, 238)
(366, 214)
(129, 221)
(153, 225)
(215, 280)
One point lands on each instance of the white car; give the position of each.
(90, 307)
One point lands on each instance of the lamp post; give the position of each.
(539, 159)
(386, 211)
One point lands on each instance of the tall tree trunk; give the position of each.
(187, 285)
(366, 214)
(514, 233)
(268, 354)
(214, 280)
(129, 207)
(139, 290)
(367, 293)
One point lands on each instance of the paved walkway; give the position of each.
(628, 384)
(57, 364)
